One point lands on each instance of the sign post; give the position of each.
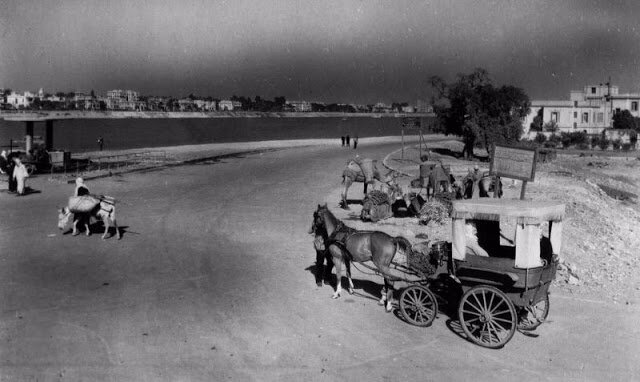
(514, 163)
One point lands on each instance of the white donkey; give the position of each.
(104, 211)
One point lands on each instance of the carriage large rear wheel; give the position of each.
(487, 316)
(418, 305)
(532, 316)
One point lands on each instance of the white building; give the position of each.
(590, 110)
(20, 100)
(300, 106)
(122, 99)
(229, 105)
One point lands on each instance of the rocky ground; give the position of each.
(599, 258)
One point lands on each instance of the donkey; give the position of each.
(104, 211)
(353, 173)
(347, 245)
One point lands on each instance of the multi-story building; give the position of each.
(229, 105)
(589, 110)
(20, 100)
(300, 106)
(122, 99)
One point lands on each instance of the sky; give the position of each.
(330, 50)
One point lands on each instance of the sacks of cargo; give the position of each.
(82, 204)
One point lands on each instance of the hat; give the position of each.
(79, 181)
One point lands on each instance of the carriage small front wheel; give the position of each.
(487, 316)
(418, 305)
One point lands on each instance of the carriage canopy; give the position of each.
(531, 245)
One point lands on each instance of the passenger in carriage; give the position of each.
(471, 240)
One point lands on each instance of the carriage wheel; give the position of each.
(532, 316)
(418, 305)
(487, 316)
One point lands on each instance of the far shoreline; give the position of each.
(34, 115)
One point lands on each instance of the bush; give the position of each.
(550, 126)
(594, 141)
(584, 146)
(616, 144)
(626, 146)
(578, 138)
(603, 143)
(540, 138)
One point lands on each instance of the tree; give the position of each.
(540, 138)
(536, 124)
(624, 120)
(479, 112)
(550, 126)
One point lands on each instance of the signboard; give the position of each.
(411, 123)
(514, 163)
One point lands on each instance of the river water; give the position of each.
(79, 135)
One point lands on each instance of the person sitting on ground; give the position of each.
(471, 240)
(81, 188)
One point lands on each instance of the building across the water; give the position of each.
(589, 110)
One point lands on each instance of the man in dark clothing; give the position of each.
(347, 141)
(322, 253)
(13, 183)
(100, 143)
(355, 142)
(342, 138)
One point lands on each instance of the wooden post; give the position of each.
(28, 139)
(48, 134)
(402, 143)
(523, 190)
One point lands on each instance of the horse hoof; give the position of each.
(389, 308)
(335, 296)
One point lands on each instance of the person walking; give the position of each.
(323, 273)
(347, 141)
(81, 188)
(342, 138)
(20, 174)
(355, 142)
(13, 185)
(4, 162)
(100, 142)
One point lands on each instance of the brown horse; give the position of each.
(347, 245)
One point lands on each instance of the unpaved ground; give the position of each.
(601, 234)
(212, 281)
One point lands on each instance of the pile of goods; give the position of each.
(82, 204)
(376, 206)
(426, 258)
(434, 211)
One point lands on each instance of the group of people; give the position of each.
(346, 141)
(16, 172)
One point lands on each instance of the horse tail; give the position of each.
(405, 244)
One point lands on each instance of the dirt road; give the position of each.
(211, 281)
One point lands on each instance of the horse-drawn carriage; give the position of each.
(494, 294)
